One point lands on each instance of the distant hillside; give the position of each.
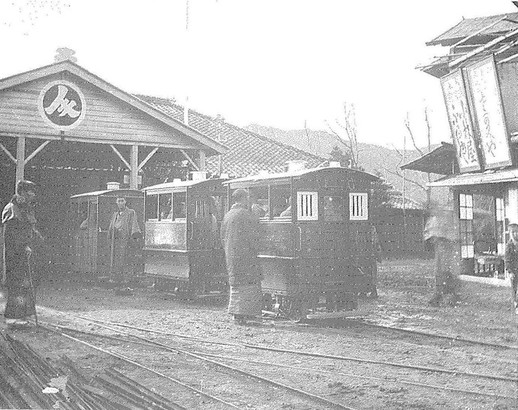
(373, 158)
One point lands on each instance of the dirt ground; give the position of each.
(484, 314)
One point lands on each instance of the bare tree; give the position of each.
(415, 145)
(347, 134)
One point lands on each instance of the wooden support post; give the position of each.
(194, 165)
(134, 167)
(20, 159)
(8, 153)
(203, 163)
(35, 152)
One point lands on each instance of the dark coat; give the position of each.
(19, 234)
(511, 257)
(240, 236)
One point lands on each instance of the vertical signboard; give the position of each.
(489, 113)
(457, 107)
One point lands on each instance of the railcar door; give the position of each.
(202, 233)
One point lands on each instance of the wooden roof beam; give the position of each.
(8, 153)
(43, 145)
(505, 60)
(120, 156)
(478, 32)
(145, 160)
(481, 49)
(190, 160)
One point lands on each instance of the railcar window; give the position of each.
(467, 248)
(307, 206)
(82, 215)
(500, 222)
(164, 207)
(358, 207)
(151, 205)
(92, 215)
(201, 209)
(334, 209)
(259, 201)
(219, 203)
(280, 202)
(179, 205)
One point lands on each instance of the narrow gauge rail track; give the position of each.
(425, 345)
(370, 323)
(304, 353)
(147, 342)
(439, 336)
(306, 395)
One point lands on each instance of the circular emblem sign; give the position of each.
(62, 105)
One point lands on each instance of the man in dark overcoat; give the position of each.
(511, 262)
(19, 239)
(122, 233)
(240, 237)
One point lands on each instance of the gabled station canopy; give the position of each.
(101, 124)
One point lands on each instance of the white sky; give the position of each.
(272, 62)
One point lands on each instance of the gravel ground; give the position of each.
(484, 314)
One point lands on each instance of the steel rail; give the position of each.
(454, 338)
(130, 361)
(303, 393)
(384, 379)
(498, 359)
(321, 355)
(299, 368)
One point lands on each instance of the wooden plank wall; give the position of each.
(107, 118)
(399, 239)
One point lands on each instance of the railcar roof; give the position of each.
(178, 184)
(104, 192)
(297, 173)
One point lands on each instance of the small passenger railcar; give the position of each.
(182, 248)
(316, 236)
(90, 215)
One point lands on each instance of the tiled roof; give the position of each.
(470, 26)
(397, 202)
(441, 161)
(248, 153)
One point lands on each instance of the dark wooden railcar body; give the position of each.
(182, 248)
(90, 216)
(318, 253)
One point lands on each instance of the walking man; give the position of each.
(19, 239)
(240, 238)
(441, 229)
(511, 262)
(122, 231)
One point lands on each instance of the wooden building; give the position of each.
(70, 131)
(478, 76)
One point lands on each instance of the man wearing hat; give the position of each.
(240, 237)
(122, 230)
(19, 238)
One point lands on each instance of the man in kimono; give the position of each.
(19, 239)
(511, 262)
(123, 233)
(240, 238)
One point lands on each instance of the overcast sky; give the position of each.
(278, 63)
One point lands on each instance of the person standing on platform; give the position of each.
(511, 262)
(20, 238)
(122, 232)
(240, 237)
